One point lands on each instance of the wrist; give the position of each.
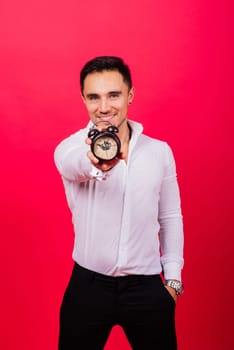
(106, 170)
(176, 285)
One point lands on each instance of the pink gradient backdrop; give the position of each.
(181, 56)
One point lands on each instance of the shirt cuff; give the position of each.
(172, 271)
(98, 174)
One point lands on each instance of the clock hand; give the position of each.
(105, 146)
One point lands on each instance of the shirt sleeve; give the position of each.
(170, 220)
(72, 162)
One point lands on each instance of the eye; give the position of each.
(92, 97)
(114, 95)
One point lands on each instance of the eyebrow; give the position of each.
(91, 95)
(116, 92)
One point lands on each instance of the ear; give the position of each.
(131, 95)
(83, 98)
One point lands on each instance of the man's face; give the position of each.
(106, 97)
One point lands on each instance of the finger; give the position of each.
(122, 155)
(106, 167)
(88, 141)
(92, 158)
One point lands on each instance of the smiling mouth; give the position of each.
(105, 118)
(103, 122)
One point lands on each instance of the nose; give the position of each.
(104, 106)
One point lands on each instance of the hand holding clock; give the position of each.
(102, 164)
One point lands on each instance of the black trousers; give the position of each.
(93, 303)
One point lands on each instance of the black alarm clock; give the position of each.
(105, 144)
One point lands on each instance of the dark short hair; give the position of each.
(109, 63)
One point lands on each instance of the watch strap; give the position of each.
(177, 285)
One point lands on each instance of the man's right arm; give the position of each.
(71, 159)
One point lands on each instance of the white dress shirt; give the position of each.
(127, 220)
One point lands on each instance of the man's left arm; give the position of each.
(171, 226)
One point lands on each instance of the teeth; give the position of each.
(105, 118)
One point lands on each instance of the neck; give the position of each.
(125, 132)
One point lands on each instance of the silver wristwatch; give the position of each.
(177, 285)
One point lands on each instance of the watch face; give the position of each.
(106, 146)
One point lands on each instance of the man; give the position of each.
(128, 247)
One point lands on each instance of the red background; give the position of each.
(181, 56)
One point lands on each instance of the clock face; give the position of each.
(105, 147)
